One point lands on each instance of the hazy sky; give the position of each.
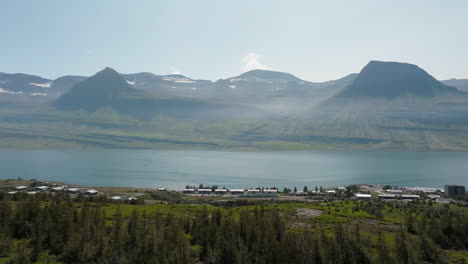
(212, 39)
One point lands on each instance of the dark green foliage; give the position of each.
(55, 228)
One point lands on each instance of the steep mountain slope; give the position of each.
(390, 80)
(105, 89)
(460, 84)
(64, 84)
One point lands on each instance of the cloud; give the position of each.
(252, 62)
(173, 70)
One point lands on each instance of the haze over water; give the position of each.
(176, 169)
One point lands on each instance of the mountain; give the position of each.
(170, 85)
(108, 89)
(105, 89)
(64, 84)
(393, 79)
(460, 84)
(256, 110)
(23, 83)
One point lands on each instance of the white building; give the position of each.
(57, 189)
(204, 191)
(410, 197)
(91, 192)
(253, 191)
(363, 196)
(220, 191)
(73, 190)
(21, 188)
(42, 188)
(270, 191)
(237, 191)
(116, 198)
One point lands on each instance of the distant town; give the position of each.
(365, 192)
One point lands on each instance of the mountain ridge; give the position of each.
(382, 79)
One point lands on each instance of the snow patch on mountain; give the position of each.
(8, 92)
(177, 80)
(42, 85)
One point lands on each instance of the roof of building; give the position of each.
(387, 196)
(92, 191)
(188, 190)
(57, 188)
(204, 190)
(22, 187)
(43, 187)
(73, 189)
(32, 193)
(363, 195)
(406, 196)
(132, 198)
(12, 192)
(270, 190)
(161, 189)
(220, 190)
(394, 190)
(116, 198)
(253, 190)
(237, 190)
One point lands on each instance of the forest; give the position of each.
(58, 228)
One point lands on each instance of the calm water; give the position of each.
(175, 169)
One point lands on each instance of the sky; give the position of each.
(213, 39)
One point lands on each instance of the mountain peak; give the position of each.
(105, 88)
(394, 79)
(269, 75)
(107, 71)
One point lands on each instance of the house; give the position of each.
(363, 196)
(73, 190)
(409, 197)
(253, 191)
(42, 188)
(433, 196)
(270, 191)
(204, 191)
(220, 191)
(237, 191)
(188, 191)
(56, 189)
(342, 188)
(331, 191)
(161, 189)
(116, 198)
(21, 188)
(132, 199)
(91, 192)
(12, 192)
(31, 193)
(395, 191)
(387, 196)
